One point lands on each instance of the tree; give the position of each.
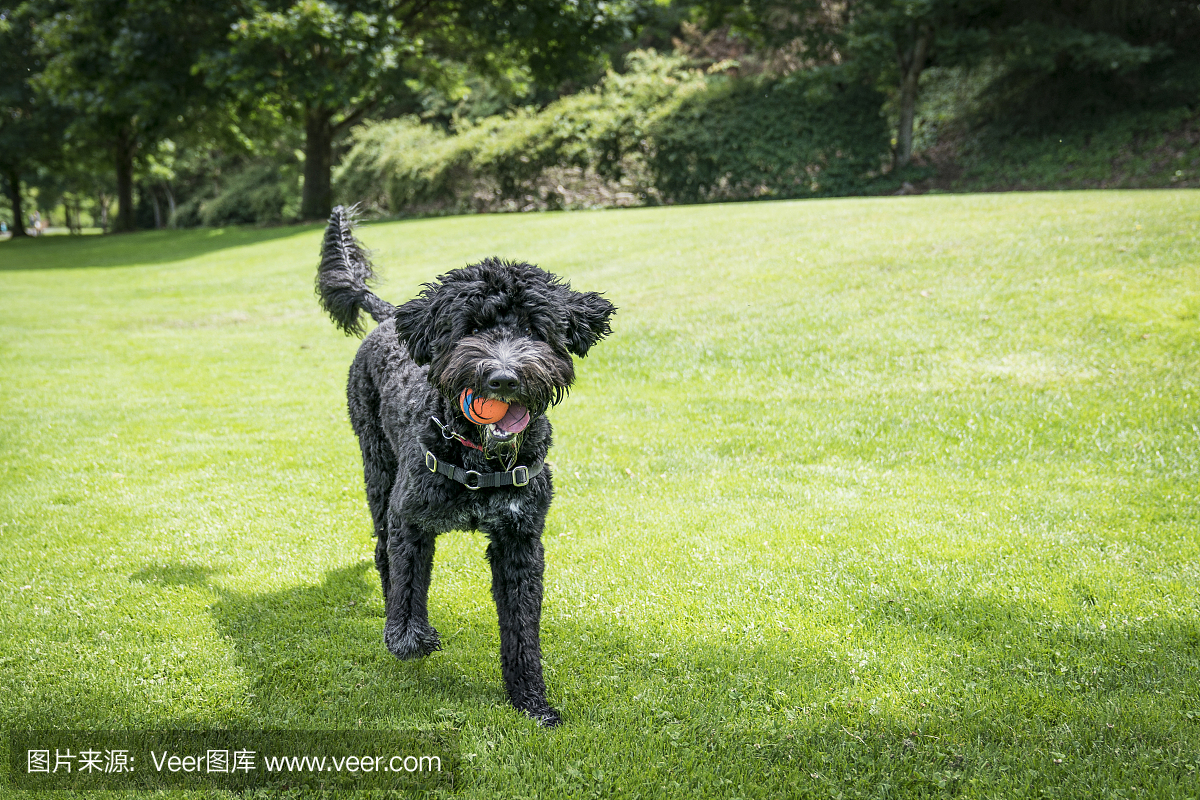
(30, 124)
(892, 42)
(896, 40)
(887, 42)
(128, 68)
(1072, 58)
(328, 64)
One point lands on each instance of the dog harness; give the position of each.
(518, 476)
(473, 480)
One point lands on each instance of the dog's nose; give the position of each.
(503, 381)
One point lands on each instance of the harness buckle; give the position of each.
(467, 479)
(431, 461)
(520, 476)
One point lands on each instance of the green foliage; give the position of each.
(260, 192)
(403, 165)
(949, 97)
(661, 130)
(891, 42)
(127, 62)
(139, 76)
(1098, 36)
(1012, 124)
(31, 124)
(380, 151)
(309, 54)
(330, 63)
(127, 68)
(1145, 148)
(796, 137)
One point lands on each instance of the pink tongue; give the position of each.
(515, 420)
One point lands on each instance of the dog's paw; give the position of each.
(546, 716)
(412, 641)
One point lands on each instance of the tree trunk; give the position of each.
(125, 147)
(170, 203)
(912, 64)
(317, 199)
(158, 223)
(14, 195)
(102, 201)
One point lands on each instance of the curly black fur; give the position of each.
(508, 331)
(545, 376)
(345, 274)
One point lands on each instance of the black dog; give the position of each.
(502, 332)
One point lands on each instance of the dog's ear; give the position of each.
(414, 324)
(587, 320)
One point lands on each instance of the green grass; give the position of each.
(863, 498)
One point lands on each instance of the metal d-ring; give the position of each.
(447, 433)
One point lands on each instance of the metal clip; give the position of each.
(431, 461)
(467, 477)
(523, 480)
(447, 432)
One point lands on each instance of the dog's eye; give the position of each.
(474, 331)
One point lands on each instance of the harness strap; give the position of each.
(449, 433)
(519, 476)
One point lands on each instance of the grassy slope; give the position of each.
(887, 497)
(1132, 150)
(1088, 141)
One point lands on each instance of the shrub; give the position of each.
(995, 128)
(660, 131)
(591, 140)
(1138, 148)
(384, 152)
(795, 137)
(260, 193)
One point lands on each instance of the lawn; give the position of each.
(891, 497)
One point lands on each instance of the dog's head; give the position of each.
(505, 331)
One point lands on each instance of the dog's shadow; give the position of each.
(315, 657)
(174, 575)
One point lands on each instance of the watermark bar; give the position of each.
(217, 759)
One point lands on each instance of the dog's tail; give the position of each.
(344, 276)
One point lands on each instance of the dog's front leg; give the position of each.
(408, 633)
(515, 553)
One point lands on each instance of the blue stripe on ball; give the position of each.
(467, 399)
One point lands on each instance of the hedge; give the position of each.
(660, 132)
(797, 137)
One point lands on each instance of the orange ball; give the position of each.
(481, 410)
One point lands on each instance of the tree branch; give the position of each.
(355, 116)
